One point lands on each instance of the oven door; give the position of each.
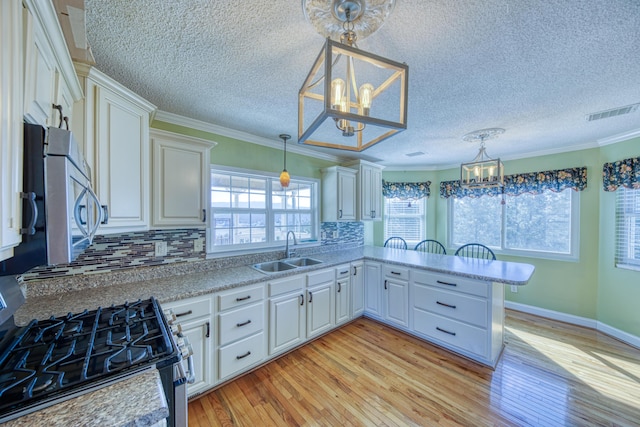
(175, 378)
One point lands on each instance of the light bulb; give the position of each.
(285, 179)
(337, 93)
(366, 97)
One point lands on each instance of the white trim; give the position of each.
(625, 337)
(175, 119)
(619, 137)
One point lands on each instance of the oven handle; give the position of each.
(182, 376)
(192, 375)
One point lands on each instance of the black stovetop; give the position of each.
(48, 359)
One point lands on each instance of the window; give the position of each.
(628, 227)
(406, 219)
(250, 210)
(543, 225)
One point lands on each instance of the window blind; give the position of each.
(628, 227)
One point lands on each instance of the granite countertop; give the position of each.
(135, 401)
(181, 286)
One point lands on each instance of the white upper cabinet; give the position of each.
(114, 124)
(181, 180)
(369, 191)
(10, 125)
(338, 194)
(49, 77)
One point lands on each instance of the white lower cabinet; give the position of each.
(287, 313)
(373, 289)
(343, 294)
(357, 289)
(241, 330)
(195, 315)
(320, 302)
(396, 295)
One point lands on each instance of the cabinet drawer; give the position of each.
(322, 276)
(286, 285)
(343, 271)
(191, 308)
(455, 305)
(450, 282)
(395, 272)
(240, 355)
(241, 296)
(240, 323)
(458, 334)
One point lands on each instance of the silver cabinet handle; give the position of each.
(105, 214)
(30, 229)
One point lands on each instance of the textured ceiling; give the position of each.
(533, 67)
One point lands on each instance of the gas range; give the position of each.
(51, 360)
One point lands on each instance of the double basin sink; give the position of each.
(285, 264)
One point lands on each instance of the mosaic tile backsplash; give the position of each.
(121, 252)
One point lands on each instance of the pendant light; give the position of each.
(285, 179)
(483, 171)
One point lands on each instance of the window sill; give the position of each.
(628, 267)
(249, 251)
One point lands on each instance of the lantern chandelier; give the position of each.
(483, 171)
(333, 111)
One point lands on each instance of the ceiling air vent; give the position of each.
(414, 154)
(612, 113)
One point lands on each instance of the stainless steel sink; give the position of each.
(273, 266)
(285, 264)
(303, 262)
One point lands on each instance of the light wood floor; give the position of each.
(366, 374)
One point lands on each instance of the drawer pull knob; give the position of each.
(243, 323)
(446, 283)
(396, 273)
(186, 313)
(445, 331)
(445, 304)
(243, 298)
(344, 272)
(244, 355)
(208, 330)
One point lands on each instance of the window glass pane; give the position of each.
(220, 196)
(258, 188)
(628, 226)
(406, 219)
(476, 221)
(222, 229)
(539, 222)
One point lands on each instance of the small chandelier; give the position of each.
(285, 179)
(333, 111)
(483, 171)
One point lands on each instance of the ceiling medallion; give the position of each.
(360, 94)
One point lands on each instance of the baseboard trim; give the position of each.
(623, 336)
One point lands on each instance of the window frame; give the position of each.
(618, 222)
(572, 256)
(271, 244)
(423, 216)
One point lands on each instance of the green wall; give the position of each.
(241, 154)
(591, 287)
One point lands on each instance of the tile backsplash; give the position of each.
(120, 252)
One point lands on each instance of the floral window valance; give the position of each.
(514, 185)
(406, 190)
(623, 173)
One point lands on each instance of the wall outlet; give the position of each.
(198, 245)
(514, 289)
(335, 234)
(161, 248)
(323, 235)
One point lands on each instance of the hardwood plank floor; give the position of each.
(366, 374)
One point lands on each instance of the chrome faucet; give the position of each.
(291, 253)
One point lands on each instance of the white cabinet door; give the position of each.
(199, 334)
(122, 161)
(357, 289)
(346, 197)
(373, 288)
(396, 301)
(320, 309)
(10, 126)
(181, 180)
(286, 321)
(343, 300)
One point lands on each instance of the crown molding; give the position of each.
(619, 137)
(175, 119)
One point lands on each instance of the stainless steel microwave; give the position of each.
(61, 213)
